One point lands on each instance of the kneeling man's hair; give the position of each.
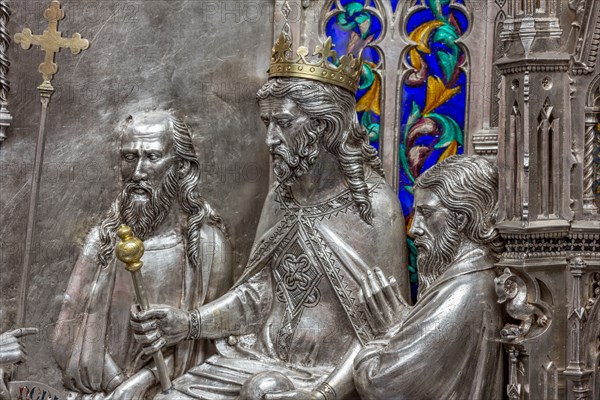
(468, 185)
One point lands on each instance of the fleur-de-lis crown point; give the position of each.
(323, 66)
(326, 51)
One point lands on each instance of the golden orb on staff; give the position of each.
(130, 251)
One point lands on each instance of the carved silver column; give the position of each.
(549, 382)
(589, 167)
(576, 373)
(513, 389)
(5, 117)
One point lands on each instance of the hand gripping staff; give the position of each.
(129, 251)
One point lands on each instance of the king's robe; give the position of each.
(94, 343)
(297, 301)
(447, 346)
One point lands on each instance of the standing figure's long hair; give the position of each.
(193, 204)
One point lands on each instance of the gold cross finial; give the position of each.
(51, 41)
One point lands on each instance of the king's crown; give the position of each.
(325, 67)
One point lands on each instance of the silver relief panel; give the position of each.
(538, 59)
(144, 54)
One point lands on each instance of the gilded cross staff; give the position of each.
(130, 251)
(51, 41)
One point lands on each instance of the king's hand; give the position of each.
(159, 326)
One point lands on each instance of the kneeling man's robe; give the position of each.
(446, 347)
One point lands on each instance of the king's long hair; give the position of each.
(343, 136)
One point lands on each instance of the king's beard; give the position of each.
(145, 216)
(437, 254)
(288, 166)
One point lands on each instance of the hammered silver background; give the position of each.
(205, 58)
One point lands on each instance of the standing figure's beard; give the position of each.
(288, 166)
(437, 253)
(145, 216)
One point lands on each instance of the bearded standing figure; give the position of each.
(186, 264)
(445, 346)
(329, 217)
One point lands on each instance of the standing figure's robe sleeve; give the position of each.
(444, 348)
(79, 344)
(203, 285)
(80, 337)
